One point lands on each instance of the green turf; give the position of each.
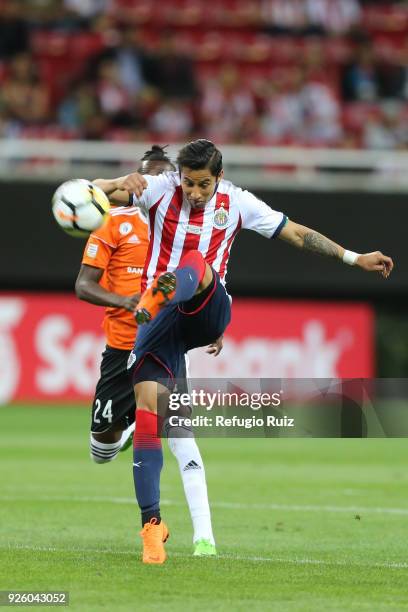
(300, 524)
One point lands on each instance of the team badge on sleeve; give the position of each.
(92, 250)
(220, 218)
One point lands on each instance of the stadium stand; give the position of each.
(271, 72)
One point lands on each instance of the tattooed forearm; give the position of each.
(313, 241)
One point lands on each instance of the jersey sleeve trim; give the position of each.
(94, 264)
(280, 227)
(112, 246)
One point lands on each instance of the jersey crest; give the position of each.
(125, 228)
(220, 219)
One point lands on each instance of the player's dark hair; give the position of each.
(201, 154)
(157, 153)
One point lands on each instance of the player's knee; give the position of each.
(151, 396)
(178, 436)
(101, 452)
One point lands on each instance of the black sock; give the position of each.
(149, 514)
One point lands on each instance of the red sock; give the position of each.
(147, 430)
(195, 260)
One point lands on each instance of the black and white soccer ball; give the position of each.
(80, 207)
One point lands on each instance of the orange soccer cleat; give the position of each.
(154, 535)
(155, 297)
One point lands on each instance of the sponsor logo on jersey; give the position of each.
(125, 228)
(134, 270)
(134, 239)
(194, 229)
(92, 250)
(220, 218)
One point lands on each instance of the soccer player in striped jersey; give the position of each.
(110, 276)
(194, 217)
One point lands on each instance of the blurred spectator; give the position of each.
(77, 109)
(113, 99)
(171, 71)
(321, 115)
(337, 16)
(386, 130)
(172, 119)
(303, 110)
(286, 16)
(96, 128)
(226, 104)
(13, 29)
(24, 99)
(360, 76)
(85, 65)
(283, 116)
(130, 58)
(391, 79)
(309, 16)
(131, 61)
(55, 15)
(87, 8)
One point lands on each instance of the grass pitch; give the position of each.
(300, 524)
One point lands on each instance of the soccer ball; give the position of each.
(79, 207)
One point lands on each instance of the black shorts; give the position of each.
(113, 407)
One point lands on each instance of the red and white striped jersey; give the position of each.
(175, 227)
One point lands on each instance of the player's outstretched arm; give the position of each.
(310, 240)
(118, 189)
(87, 288)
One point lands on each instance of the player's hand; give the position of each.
(215, 348)
(376, 262)
(130, 302)
(133, 183)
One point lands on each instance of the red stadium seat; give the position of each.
(386, 18)
(356, 114)
(139, 13)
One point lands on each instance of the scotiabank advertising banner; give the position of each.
(51, 344)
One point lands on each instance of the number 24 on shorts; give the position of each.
(106, 413)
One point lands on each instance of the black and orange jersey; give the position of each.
(119, 248)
